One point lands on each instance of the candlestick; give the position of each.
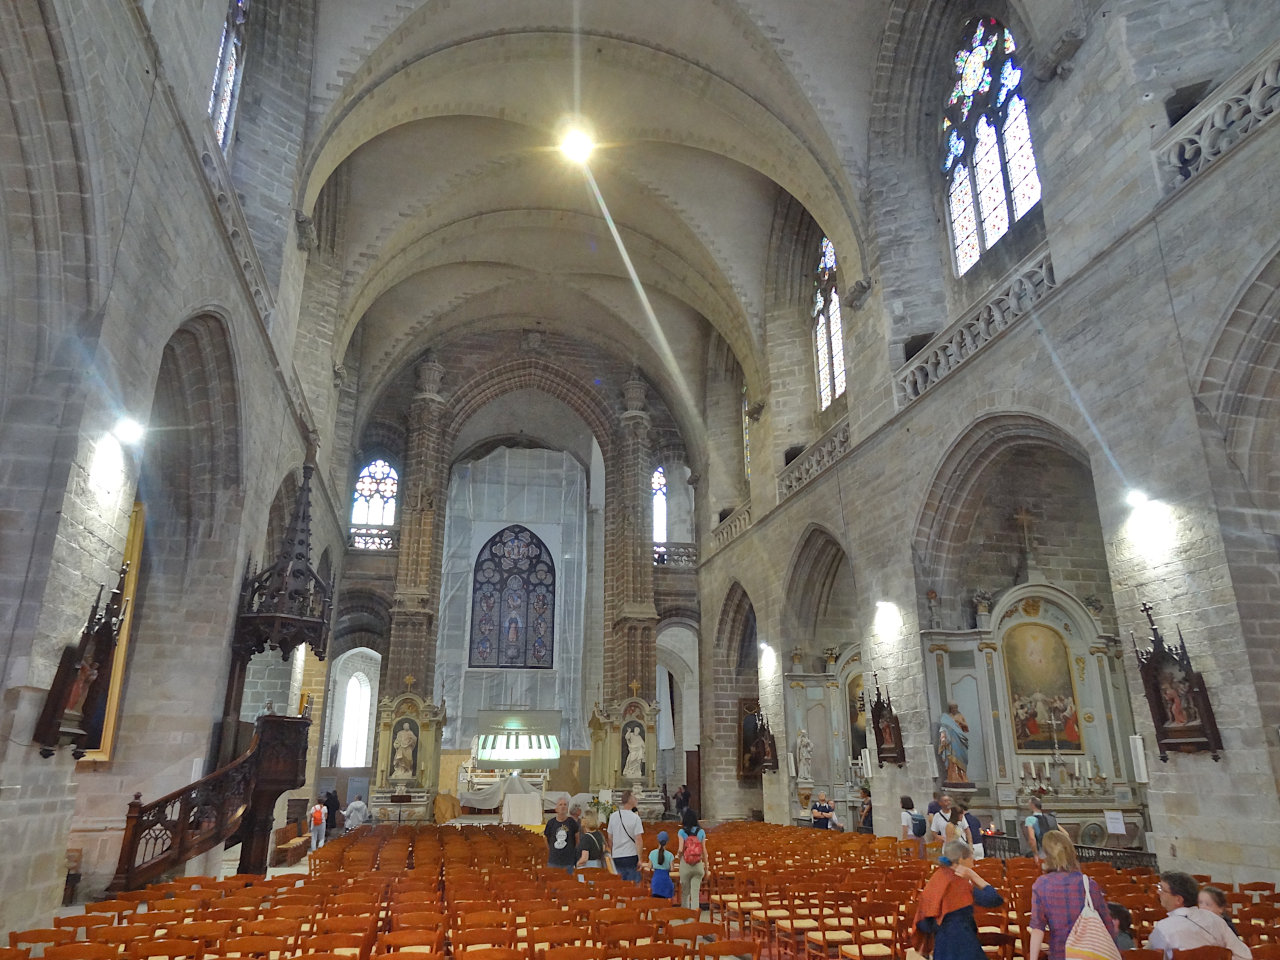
(1077, 767)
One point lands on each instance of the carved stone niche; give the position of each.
(408, 758)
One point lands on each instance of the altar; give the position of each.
(407, 758)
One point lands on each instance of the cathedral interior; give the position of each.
(769, 396)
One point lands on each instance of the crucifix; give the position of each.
(409, 681)
(1024, 519)
(635, 688)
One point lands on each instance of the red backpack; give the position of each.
(317, 815)
(692, 852)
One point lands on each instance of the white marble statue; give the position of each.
(804, 756)
(633, 767)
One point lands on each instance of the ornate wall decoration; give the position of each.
(757, 750)
(1180, 707)
(889, 747)
(513, 602)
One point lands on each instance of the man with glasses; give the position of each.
(1187, 925)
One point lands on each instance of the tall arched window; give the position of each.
(828, 332)
(513, 602)
(373, 507)
(355, 722)
(226, 78)
(658, 483)
(987, 155)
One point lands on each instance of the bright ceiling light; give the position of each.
(1135, 498)
(576, 145)
(128, 431)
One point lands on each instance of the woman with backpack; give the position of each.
(914, 825)
(316, 821)
(692, 854)
(1060, 895)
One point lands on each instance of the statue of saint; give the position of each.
(804, 756)
(633, 766)
(953, 745)
(403, 746)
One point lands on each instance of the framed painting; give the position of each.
(857, 716)
(1043, 705)
(757, 751)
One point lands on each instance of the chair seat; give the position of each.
(830, 936)
(866, 950)
(796, 924)
(770, 913)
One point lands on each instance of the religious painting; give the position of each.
(1179, 701)
(404, 749)
(857, 716)
(633, 750)
(757, 750)
(1042, 696)
(513, 602)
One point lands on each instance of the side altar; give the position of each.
(624, 752)
(407, 758)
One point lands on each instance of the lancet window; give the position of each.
(226, 78)
(987, 155)
(828, 331)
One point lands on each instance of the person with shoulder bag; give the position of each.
(1065, 903)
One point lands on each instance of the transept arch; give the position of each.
(819, 596)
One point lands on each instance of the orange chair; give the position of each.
(538, 940)
(13, 953)
(345, 944)
(208, 932)
(480, 938)
(572, 953)
(692, 931)
(496, 953)
(255, 945)
(418, 920)
(118, 908)
(83, 921)
(82, 950)
(658, 951)
(665, 916)
(730, 948)
(618, 938)
(1203, 953)
(411, 941)
(166, 950)
(40, 936)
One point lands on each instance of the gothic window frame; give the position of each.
(374, 483)
(515, 575)
(658, 488)
(224, 94)
(988, 158)
(357, 718)
(828, 329)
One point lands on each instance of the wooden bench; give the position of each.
(288, 847)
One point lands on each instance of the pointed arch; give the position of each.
(819, 585)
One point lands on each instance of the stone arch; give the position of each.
(1239, 386)
(729, 674)
(819, 595)
(953, 496)
(682, 664)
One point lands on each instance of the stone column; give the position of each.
(631, 649)
(412, 647)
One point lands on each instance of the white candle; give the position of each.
(1046, 769)
(1088, 769)
(1077, 768)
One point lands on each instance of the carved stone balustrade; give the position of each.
(1223, 119)
(672, 554)
(814, 461)
(1014, 297)
(731, 526)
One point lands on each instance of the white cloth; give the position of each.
(625, 828)
(938, 824)
(357, 812)
(1188, 927)
(521, 808)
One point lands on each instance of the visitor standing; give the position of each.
(561, 832)
(316, 818)
(357, 812)
(591, 842)
(821, 812)
(692, 852)
(945, 927)
(1058, 897)
(625, 838)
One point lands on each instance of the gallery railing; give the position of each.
(1007, 848)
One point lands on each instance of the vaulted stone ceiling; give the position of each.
(458, 210)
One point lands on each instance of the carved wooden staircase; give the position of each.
(237, 799)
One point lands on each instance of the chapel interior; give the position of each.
(770, 396)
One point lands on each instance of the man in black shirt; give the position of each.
(822, 812)
(562, 838)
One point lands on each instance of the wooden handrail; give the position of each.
(170, 830)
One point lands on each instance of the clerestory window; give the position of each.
(987, 156)
(373, 507)
(226, 78)
(828, 332)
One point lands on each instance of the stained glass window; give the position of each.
(828, 331)
(658, 482)
(226, 78)
(987, 156)
(746, 435)
(513, 602)
(373, 507)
